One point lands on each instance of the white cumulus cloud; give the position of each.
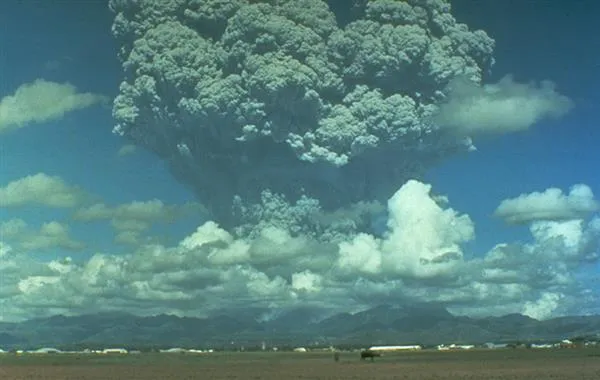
(506, 106)
(131, 220)
(422, 240)
(49, 235)
(551, 204)
(42, 190)
(418, 259)
(543, 307)
(42, 101)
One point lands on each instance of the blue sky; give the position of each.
(535, 41)
(70, 41)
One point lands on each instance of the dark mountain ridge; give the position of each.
(385, 324)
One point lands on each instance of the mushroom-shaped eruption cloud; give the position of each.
(250, 101)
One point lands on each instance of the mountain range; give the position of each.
(386, 324)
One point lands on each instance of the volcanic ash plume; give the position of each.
(265, 105)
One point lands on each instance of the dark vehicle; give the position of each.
(369, 354)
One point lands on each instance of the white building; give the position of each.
(114, 351)
(542, 345)
(395, 348)
(45, 350)
(495, 345)
(174, 350)
(443, 347)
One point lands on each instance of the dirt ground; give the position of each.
(565, 364)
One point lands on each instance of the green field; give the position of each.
(562, 364)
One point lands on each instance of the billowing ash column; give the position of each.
(246, 98)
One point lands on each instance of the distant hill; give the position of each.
(385, 324)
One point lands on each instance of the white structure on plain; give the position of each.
(545, 345)
(395, 348)
(114, 351)
(45, 350)
(443, 347)
(174, 350)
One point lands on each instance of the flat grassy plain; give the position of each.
(565, 364)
